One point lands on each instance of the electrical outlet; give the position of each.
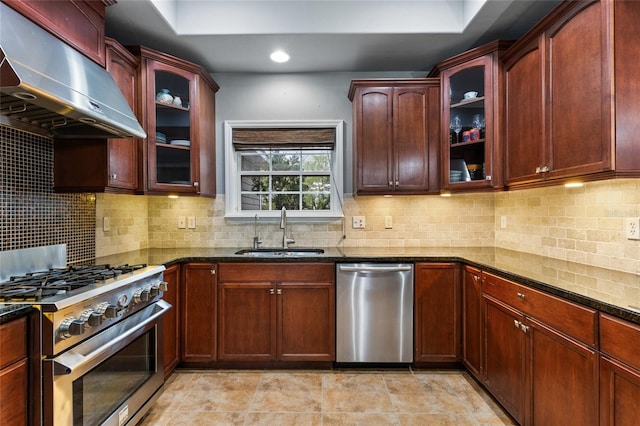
(106, 224)
(182, 222)
(358, 222)
(503, 222)
(632, 228)
(191, 222)
(388, 222)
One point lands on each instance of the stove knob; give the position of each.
(163, 285)
(70, 327)
(111, 311)
(141, 295)
(154, 290)
(91, 318)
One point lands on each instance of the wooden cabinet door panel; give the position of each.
(472, 321)
(374, 115)
(13, 394)
(306, 321)
(170, 320)
(198, 314)
(247, 321)
(564, 379)
(505, 348)
(411, 132)
(524, 124)
(578, 105)
(437, 312)
(619, 393)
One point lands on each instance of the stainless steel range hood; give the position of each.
(49, 88)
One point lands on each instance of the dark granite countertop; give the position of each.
(611, 291)
(11, 312)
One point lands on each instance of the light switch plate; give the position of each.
(106, 224)
(191, 222)
(388, 222)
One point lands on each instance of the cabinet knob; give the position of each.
(538, 169)
(272, 291)
(521, 296)
(476, 278)
(114, 176)
(517, 323)
(524, 328)
(279, 291)
(545, 169)
(213, 272)
(397, 183)
(390, 183)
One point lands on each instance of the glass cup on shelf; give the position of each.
(456, 126)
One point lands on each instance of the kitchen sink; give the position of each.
(280, 252)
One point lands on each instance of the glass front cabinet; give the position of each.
(178, 104)
(471, 86)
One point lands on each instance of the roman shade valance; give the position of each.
(271, 138)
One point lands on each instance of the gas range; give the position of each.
(78, 301)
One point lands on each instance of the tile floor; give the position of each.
(339, 397)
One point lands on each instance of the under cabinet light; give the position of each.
(573, 184)
(445, 194)
(172, 196)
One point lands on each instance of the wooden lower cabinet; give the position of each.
(171, 320)
(472, 320)
(619, 372)
(541, 376)
(437, 312)
(198, 312)
(14, 373)
(505, 357)
(276, 312)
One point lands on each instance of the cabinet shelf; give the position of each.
(170, 106)
(469, 103)
(169, 146)
(466, 144)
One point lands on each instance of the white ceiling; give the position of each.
(320, 35)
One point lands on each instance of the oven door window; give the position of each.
(97, 394)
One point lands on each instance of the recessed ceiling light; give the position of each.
(279, 56)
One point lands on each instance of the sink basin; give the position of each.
(280, 252)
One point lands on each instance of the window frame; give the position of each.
(232, 172)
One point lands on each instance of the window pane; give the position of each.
(286, 183)
(254, 183)
(316, 183)
(254, 202)
(316, 162)
(316, 202)
(288, 201)
(255, 163)
(285, 161)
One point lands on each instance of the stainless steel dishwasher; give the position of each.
(374, 313)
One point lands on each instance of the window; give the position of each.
(291, 164)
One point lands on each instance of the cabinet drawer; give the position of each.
(574, 320)
(620, 339)
(13, 341)
(276, 272)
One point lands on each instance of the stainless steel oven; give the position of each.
(111, 378)
(98, 350)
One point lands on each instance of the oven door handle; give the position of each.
(91, 352)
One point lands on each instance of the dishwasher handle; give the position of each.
(374, 268)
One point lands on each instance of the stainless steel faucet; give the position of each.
(283, 225)
(256, 238)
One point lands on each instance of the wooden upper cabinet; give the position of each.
(471, 158)
(570, 90)
(180, 124)
(396, 133)
(80, 23)
(103, 165)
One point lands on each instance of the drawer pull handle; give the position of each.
(521, 296)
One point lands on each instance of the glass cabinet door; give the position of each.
(468, 100)
(171, 148)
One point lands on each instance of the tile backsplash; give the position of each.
(31, 214)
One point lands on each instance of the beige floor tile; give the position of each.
(207, 418)
(355, 393)
(418, 394)
(288, 392)
(436, 420)
(284, 419)
(359, 419)
(222, 392)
